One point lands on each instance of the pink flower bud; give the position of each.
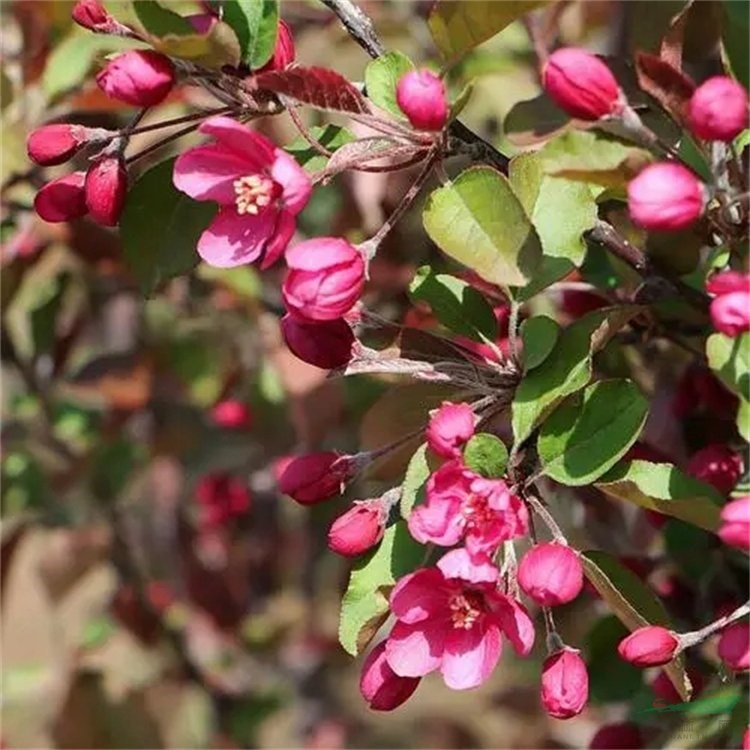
(730, 310)
(92, 15)
(623, 736)
(565, 684)
(316, 476)
(718, 109)
(735, 523)
(665, 196)
(283, 52)
(421, 96)
(551, 574)
(55, 144)
(717, 465)
(62, 199)
(325, 279)
(359, 529)
(746, 739)
(326, 344)
(139, 77)
(649, 646)
(221, 497)
(581, 84)
(450, 427)
(106, 188)
(734, 646)
(380, 686)
(231, 414)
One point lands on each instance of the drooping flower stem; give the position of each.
(156, 146)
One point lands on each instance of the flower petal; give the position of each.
(438, 521)
(515, 622)
(233, 240)
(207, 173)
(471, 654)
(240, 139)
(282, 236)
(461, 563)
(414, 650)
(419, 596)
(293, 179)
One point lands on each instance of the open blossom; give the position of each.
(717, 465)
(551, 574)
(450, 427)
(260, 190)
(452, 618)
(730, 308)
(462, 505)
(735, 523)
(565, 684)
(380, 686)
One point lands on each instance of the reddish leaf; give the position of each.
(318, 87)
(371, 152)
(673, 41)
(671, 88)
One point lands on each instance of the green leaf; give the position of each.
(730, 358)
(381, 78)
(539, 336)
(255, 22)
(735, 32)
(456, 304)
(417, 473)
(160, 21)
(743, 419)
(458, 26)
(160, 228)
(487, 455)
(330, 136)
(634, 604)
(364, 607)
(664, 489)
(587, 434)
(478, 220)
(566, 369)
(688, 547)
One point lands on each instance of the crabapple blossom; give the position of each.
(718, 109)
(735, 523)
(92, 15)
(717, 465)
(734, 646)
(315, 477)
(649, 646)
(565, 684)
(730, 308)
(106, 188)
(324, 343)
(358, 529)
(55, 144)
(138, 77)
(551, 574)
(420, 95)
(461, 505)
(449, 428)
(260, 190)
(452, 618)
(231, 414)
(62, 199)
(581, 84)
(380, 686)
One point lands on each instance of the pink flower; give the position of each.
(717, 465)
(283, 52)
(730, 309)
(221, 497)
(665, 196)
(649, 646)
(463, 505)
(565, 684)
(62, 199)
(734, 646)
(231, 414)
(421, 97)
(260, 190)
(55, 144)
(623, 736)
(450, 427)
(581, 84)
(106, 188)
(380, 686)
(551, 574)
(138, 77)
(718, 109)
(451, 618)
(735, 523)
(326, 277)
(324, 343)
(316, 476)
(359, 529)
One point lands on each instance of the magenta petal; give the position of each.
(321, 253)
(233, 240)
(414, 650)
(419, 595)
(473, 568)
(293, 179)
(207, 173)
(515, 622)
(470, 655)
(240, 139)
(438, 521)
(285, 227)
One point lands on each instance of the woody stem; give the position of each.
(698, 636)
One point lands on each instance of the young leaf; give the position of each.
(566, 369)
(734, 33)
(255, 22)
(633, 603)
(160, 21)
(665, 489)
(332, 137)
(730, 358)
(160, 228)
(486, 455)
(669, 86)
(417, 473)
(456, 304)
(539, 336)
(458, 26)
(743, 419)
(364, 607)
(478, 220)
(318, 87)
(381, 78)
(368, 152)
(587, 434)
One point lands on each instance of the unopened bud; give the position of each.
(565, 684)
(324, 343)
(62, 199)
(449, 428)
(106, 188)
(317, 476)
(551, 574)
(359, 529)
(283, 52)
(380, 686)
(718, 109)
(649, 646)
(734, 646)
(55, 144)
(735, 523)
(138, 77)
(420, 95)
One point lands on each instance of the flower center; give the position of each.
(253, 193)
(466, 608)
(476, 511)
